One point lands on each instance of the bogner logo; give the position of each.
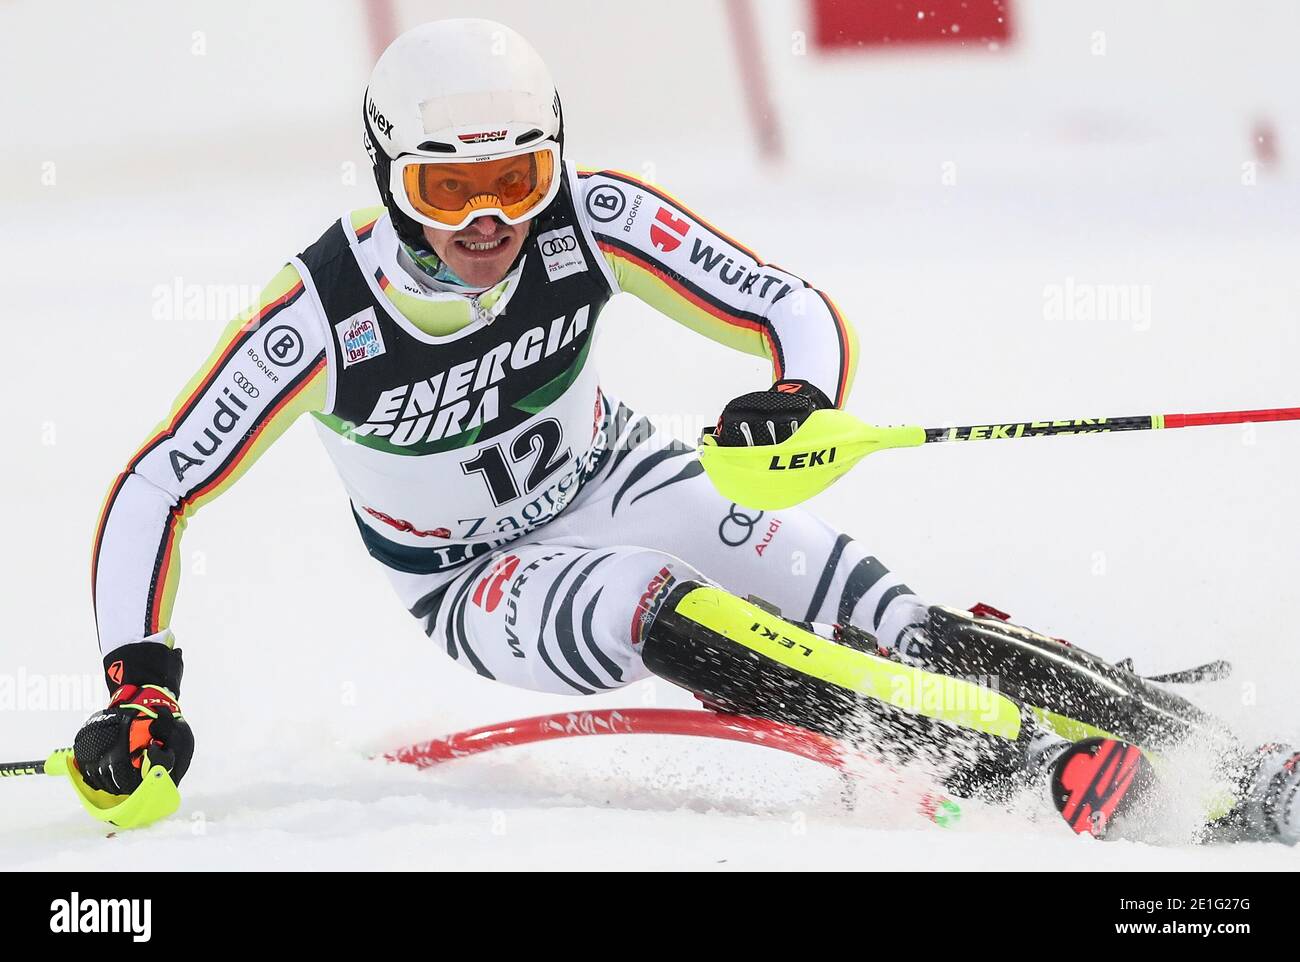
(561, 253)
(229, 411)
(359, 338)
(804, 459)
(466, 395)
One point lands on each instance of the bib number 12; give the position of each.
(540, 443)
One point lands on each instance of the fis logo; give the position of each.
(804, 459)
(75, 915)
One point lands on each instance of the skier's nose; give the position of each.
(486, 227)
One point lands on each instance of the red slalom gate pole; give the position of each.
(664, 721)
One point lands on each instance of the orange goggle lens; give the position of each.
(447, 193)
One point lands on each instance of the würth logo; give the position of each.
(491, 589)
(75, 915)
(663, 239)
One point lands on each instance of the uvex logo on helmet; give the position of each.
(381, 123)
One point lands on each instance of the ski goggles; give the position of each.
(449, 194)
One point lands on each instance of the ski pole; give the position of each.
(156, 797)
(10, 769)
(1141, 422)
(777, 476)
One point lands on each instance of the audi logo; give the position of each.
(737, 527)
(245, 385)
(558, 245)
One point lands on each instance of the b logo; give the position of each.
(605, 203)
(283, 346)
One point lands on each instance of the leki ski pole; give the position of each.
(777, 476)
(155, 798)
(10, 769)
(1141, 422)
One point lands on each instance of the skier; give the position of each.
(545, 535)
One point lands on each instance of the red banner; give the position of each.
(852, 24)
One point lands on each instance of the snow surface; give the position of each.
(1173, 548)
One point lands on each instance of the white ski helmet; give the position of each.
(462, 120)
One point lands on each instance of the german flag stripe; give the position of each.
(162, 571)
(184, 407)
(162, 584)
(113, 492)
(245, 333)
(670, 199)
(365, 230)
(699, 298)
(842, 332)
(716, 306)
(845, 346)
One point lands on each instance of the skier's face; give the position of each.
(481, 252)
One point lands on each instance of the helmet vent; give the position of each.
(528, 138)
(436, 147)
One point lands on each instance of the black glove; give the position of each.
(143, 715)
(771, 416)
